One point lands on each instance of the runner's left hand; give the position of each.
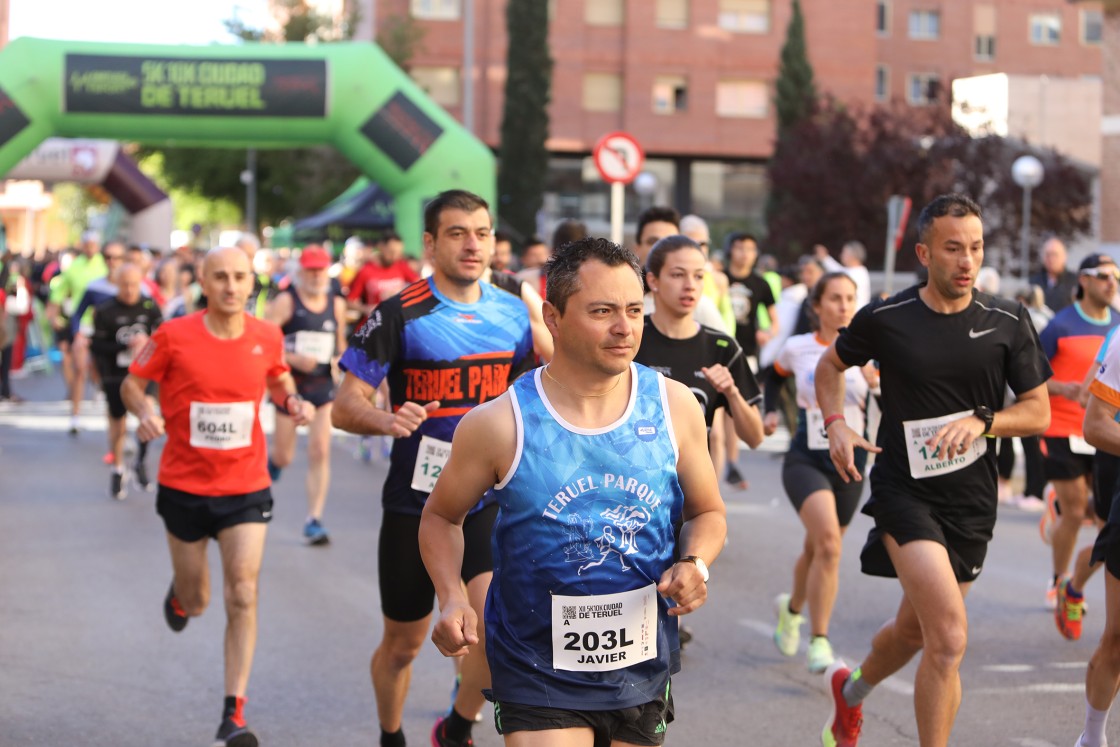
(684, 585)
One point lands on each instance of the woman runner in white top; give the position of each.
(824, 502)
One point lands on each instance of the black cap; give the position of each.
(1092, 262)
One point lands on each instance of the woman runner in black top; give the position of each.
(705, 360)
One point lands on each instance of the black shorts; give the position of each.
(191, 517)
(112, 389)
(1106, 478)
(407, 592)
(63, 336)
(644, 724)
(803, 474)
(963, 532)
(1107, 546)
(318, 390)
(1061, 463)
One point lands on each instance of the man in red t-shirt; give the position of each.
(382, 277)
(213, 368)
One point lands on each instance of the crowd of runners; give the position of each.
(559, 423)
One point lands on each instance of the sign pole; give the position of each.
(618, 205)
(619, 158)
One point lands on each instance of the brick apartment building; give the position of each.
(693, 80)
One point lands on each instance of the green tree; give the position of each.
(400, 37)
(289, 182)
(523, 155)
(795, 91)
(795, 95)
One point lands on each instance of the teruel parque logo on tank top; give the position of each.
(594, 538)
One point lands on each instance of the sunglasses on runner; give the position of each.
(1102, 274)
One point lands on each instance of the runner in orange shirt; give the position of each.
(213, 368)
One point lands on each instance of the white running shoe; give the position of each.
(787, 636)
(820, 655)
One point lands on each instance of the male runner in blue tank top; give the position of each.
(445, 345)
(592, 460)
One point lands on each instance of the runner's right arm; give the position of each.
(484, 441)
(355, 412)
(842, 440)
(132, 392)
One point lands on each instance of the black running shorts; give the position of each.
(802, 475)
(190, 517)
(1061, 463)
(407, 592)
(112, 389)
(1106, 478)
(318, 390)
(962, 531)
(644, 724)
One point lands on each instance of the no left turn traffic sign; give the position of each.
(618, 157)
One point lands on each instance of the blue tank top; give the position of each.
(320, 330)
(585, 518)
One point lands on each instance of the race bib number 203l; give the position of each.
(605, 631)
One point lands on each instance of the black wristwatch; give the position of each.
(986, 415)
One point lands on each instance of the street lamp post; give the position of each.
(1027, 172)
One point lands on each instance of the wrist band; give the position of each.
(831, 419)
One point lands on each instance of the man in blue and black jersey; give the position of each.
(593, 460)
(445, 345)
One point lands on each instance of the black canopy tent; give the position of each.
(364, 206)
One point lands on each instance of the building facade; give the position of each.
(693, 80)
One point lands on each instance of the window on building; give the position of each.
(984, 32)
(441, 83)
(1092, 26)
(923, 88)
(745, 16)
(882, 82)
(602, 92)
(925, 24)
(1046, 28)
(670, 94)
(436, 10)
(984, 48)
(672, 14)
(603, 12)
(883, 17)
(742, 98)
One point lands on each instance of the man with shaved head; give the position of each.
(213, 368)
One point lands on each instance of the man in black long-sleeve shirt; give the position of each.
(121, 327)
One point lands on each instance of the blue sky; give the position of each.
(136, 21)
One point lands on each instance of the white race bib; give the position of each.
(1079, 445)
(222, 425)
(124, 358)
(430, 461)
(923, 462)
(319, 346)
(818, 437)
(605, 631)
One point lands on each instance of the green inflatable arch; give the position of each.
(349, 95)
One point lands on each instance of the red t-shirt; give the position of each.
(210, 393)
(375, 282)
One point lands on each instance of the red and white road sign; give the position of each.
(618, 157)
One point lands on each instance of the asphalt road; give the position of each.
(85, 657)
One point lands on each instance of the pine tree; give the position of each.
(524, 158)
(794, 100)
(795, 90)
